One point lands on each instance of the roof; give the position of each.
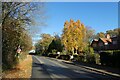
(96, 40)
(106, 40)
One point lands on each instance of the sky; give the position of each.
(60, 0)
(100, 16)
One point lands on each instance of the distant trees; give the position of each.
(114, 32)
(73, 36)
(48, 44)
(100, 35)
(43, 44)
(89, 34)
(55, 45)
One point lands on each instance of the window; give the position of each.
(106, 43)
(100, 44)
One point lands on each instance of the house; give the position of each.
(94, 44)
(107, 43)
(115, 43)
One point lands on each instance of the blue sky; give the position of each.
(100, 16)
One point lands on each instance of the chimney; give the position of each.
(107, 36)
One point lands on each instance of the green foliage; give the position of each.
(90, 58)
(54, 51)
(55, 45)
(64, 52)
(43, 44)
(64, 57)
(97, 58)
(89, 55)
(113, 32)
(100, 35)
(88, 50)
(53, 54)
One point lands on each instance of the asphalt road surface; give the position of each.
(47, 68)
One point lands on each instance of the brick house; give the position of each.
(108, 43)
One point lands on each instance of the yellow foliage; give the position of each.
(73, 35)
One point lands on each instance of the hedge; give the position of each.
(64, 57)
(110, 58)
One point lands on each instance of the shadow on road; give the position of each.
(66, 72)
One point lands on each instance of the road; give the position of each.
(47, 68)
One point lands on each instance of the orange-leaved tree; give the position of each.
(73, 36)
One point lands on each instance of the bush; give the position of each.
(105, 58)
(110, 58)
(63, 52)
(116, 58)
(64, 57)
(79, 58)
(54, 51)
(76, 57)
(97, 58)
(90, 58)
(52, 55)
(88, 55)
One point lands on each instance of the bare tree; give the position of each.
(19, 11)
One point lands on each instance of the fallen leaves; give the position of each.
(22, 70)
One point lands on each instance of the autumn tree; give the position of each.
(16, 17)
(73, 36)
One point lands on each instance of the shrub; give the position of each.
(90, 58)
(116, 60)
(52, 55)
(63, 52)
(97, 58)
(110, 58)
(64, 57)
(81, 58)
(54, 51)
(76, 57)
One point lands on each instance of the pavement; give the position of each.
(56, 69)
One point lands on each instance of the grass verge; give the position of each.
(22, 70)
